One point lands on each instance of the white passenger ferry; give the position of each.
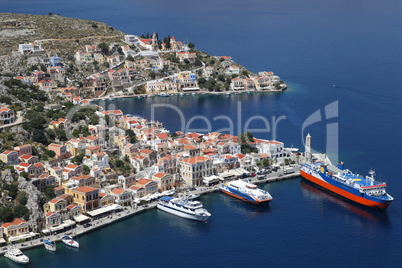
(184, 208)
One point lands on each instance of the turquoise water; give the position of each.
(312, 45)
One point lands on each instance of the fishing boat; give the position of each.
(69, 241)
(16, 255)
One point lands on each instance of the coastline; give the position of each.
(124, 214)
(151, 95)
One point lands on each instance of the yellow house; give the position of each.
(9, 157)
(86, 197)
(106, 199)
(55, 205)
(15, 228)
(165, 181)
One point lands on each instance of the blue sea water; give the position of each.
(311, 45)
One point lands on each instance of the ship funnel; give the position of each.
(341, 165)
(323, 169)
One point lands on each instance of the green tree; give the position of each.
(50, 134)
(191, 45)
(6, 214)
(120, 51)
(221, 77)
(24, 174)
(250, 137)
(61, 134)
(266, 163)
(49, 193)
(78, 158)
(23, 200)
(20, 211)
(104, 47)
(86, 169)
(130, 58)
(119, 163)
(49, 153)
(76, 133)
(39, 136)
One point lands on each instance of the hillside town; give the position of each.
(62, 169)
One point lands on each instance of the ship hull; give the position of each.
(244, 199)
(345, 194)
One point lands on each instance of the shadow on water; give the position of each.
(366, 217)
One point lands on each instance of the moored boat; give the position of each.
(49, 245)
(16, 255)
(246, 191)
(182, 207)
(69, 241)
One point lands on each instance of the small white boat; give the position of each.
(49, 245)
(162, 94)
(193, 93)
(69, 241)
(16, 255)
(193, 196)
(169, 192)
(181, 94)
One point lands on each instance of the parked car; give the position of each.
(86, 225)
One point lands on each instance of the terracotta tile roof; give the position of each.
(18, 221)
(49, 214)
(162, 135)
(72, 206)
(64, 196)
(54, 201)
(144, 181)
(7, 224)
(85, 189)
(146, 151)
(195, 159)
(26, 156)
(160, 175)
(118, 191)
(71, 166)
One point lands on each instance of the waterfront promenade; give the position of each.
(127, 212)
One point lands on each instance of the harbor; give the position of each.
(97, 224)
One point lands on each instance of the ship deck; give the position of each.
(349, 175)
